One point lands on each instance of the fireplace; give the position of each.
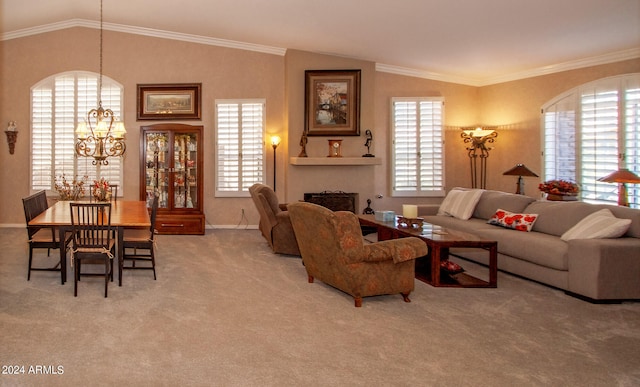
(334, 200)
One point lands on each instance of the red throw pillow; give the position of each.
(520, 222)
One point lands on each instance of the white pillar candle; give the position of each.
(410, 211)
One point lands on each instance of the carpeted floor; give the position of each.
(225, 311)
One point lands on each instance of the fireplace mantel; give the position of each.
(339, 161)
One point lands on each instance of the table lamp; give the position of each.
(622, 177)
(520, 170)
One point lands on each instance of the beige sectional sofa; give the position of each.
(599, 270)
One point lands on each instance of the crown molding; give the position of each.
(618, 56)
(145, 32)
(565, 66)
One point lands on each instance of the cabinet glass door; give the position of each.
(158, 166)
(185, 170)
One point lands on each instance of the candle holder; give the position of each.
(12, 136)
(410, 222)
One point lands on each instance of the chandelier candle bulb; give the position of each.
(410, 211)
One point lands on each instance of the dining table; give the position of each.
(124, 214)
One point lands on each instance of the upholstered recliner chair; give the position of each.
(275, 224)
(334, 252)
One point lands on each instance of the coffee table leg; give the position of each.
(436, 253)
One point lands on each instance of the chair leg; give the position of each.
(76, 274)
(358, 301)
(405, 296)
(107, 273)
(153, 263)
(30, 261)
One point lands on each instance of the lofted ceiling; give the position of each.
(474, 42)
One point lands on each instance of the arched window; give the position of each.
(591, 131)
(58, 103)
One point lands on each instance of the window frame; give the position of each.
(574, 103)
(240, 192)
(110, 89)
(419, 191)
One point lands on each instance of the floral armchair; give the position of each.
(274, 220)
(333, 251)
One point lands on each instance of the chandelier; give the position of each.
(100, 134)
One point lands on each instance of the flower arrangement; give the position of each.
(70, 191)
(559, 187)
(101, 190)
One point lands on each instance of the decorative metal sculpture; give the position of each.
(367, 143)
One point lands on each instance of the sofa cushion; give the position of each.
(512, 220)
(600, 224)
(460, 203)
(541, 249)
(490, 201)
(627, 213)
(555, 218)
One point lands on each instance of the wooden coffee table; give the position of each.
(440, 240)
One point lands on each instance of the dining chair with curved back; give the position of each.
(93, 241)
(139, 244)
(39, 237)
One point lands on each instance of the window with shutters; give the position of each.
(58, 103)
(417, 146)
(591, 131)
(240, 146)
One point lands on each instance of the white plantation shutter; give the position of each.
(560, 139)
(239, 146)
(631, 145)
(592, 131)
(58, 103)
(417, 146)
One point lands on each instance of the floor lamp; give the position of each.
(477, 149)
(275, 141)
(622, 177)
(520, 170)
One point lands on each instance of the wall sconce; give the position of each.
(520, 170)
(12, 136)
(478, 139)
(275, 141)
(622, 177)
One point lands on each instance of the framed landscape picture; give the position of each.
(332, 102)
(169, 101)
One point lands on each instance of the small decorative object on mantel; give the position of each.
(303, 144)
(70, 191)
(560, 190)
(101, 192)
(335, 148)
(12, 136)
(367, 143)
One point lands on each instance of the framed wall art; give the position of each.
(174, 101)
(332, 102)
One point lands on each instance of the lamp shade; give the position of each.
(520, 170)
(622, 175)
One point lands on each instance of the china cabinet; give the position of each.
(171, 167)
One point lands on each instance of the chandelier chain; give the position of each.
(100, 81)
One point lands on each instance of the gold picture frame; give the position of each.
(169, 101)
(332, 102)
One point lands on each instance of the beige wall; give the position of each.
(234, 73)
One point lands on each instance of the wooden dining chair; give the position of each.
(39, 237)
(93, 241)
(139, 245)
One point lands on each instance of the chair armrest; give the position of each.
(399, 250)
